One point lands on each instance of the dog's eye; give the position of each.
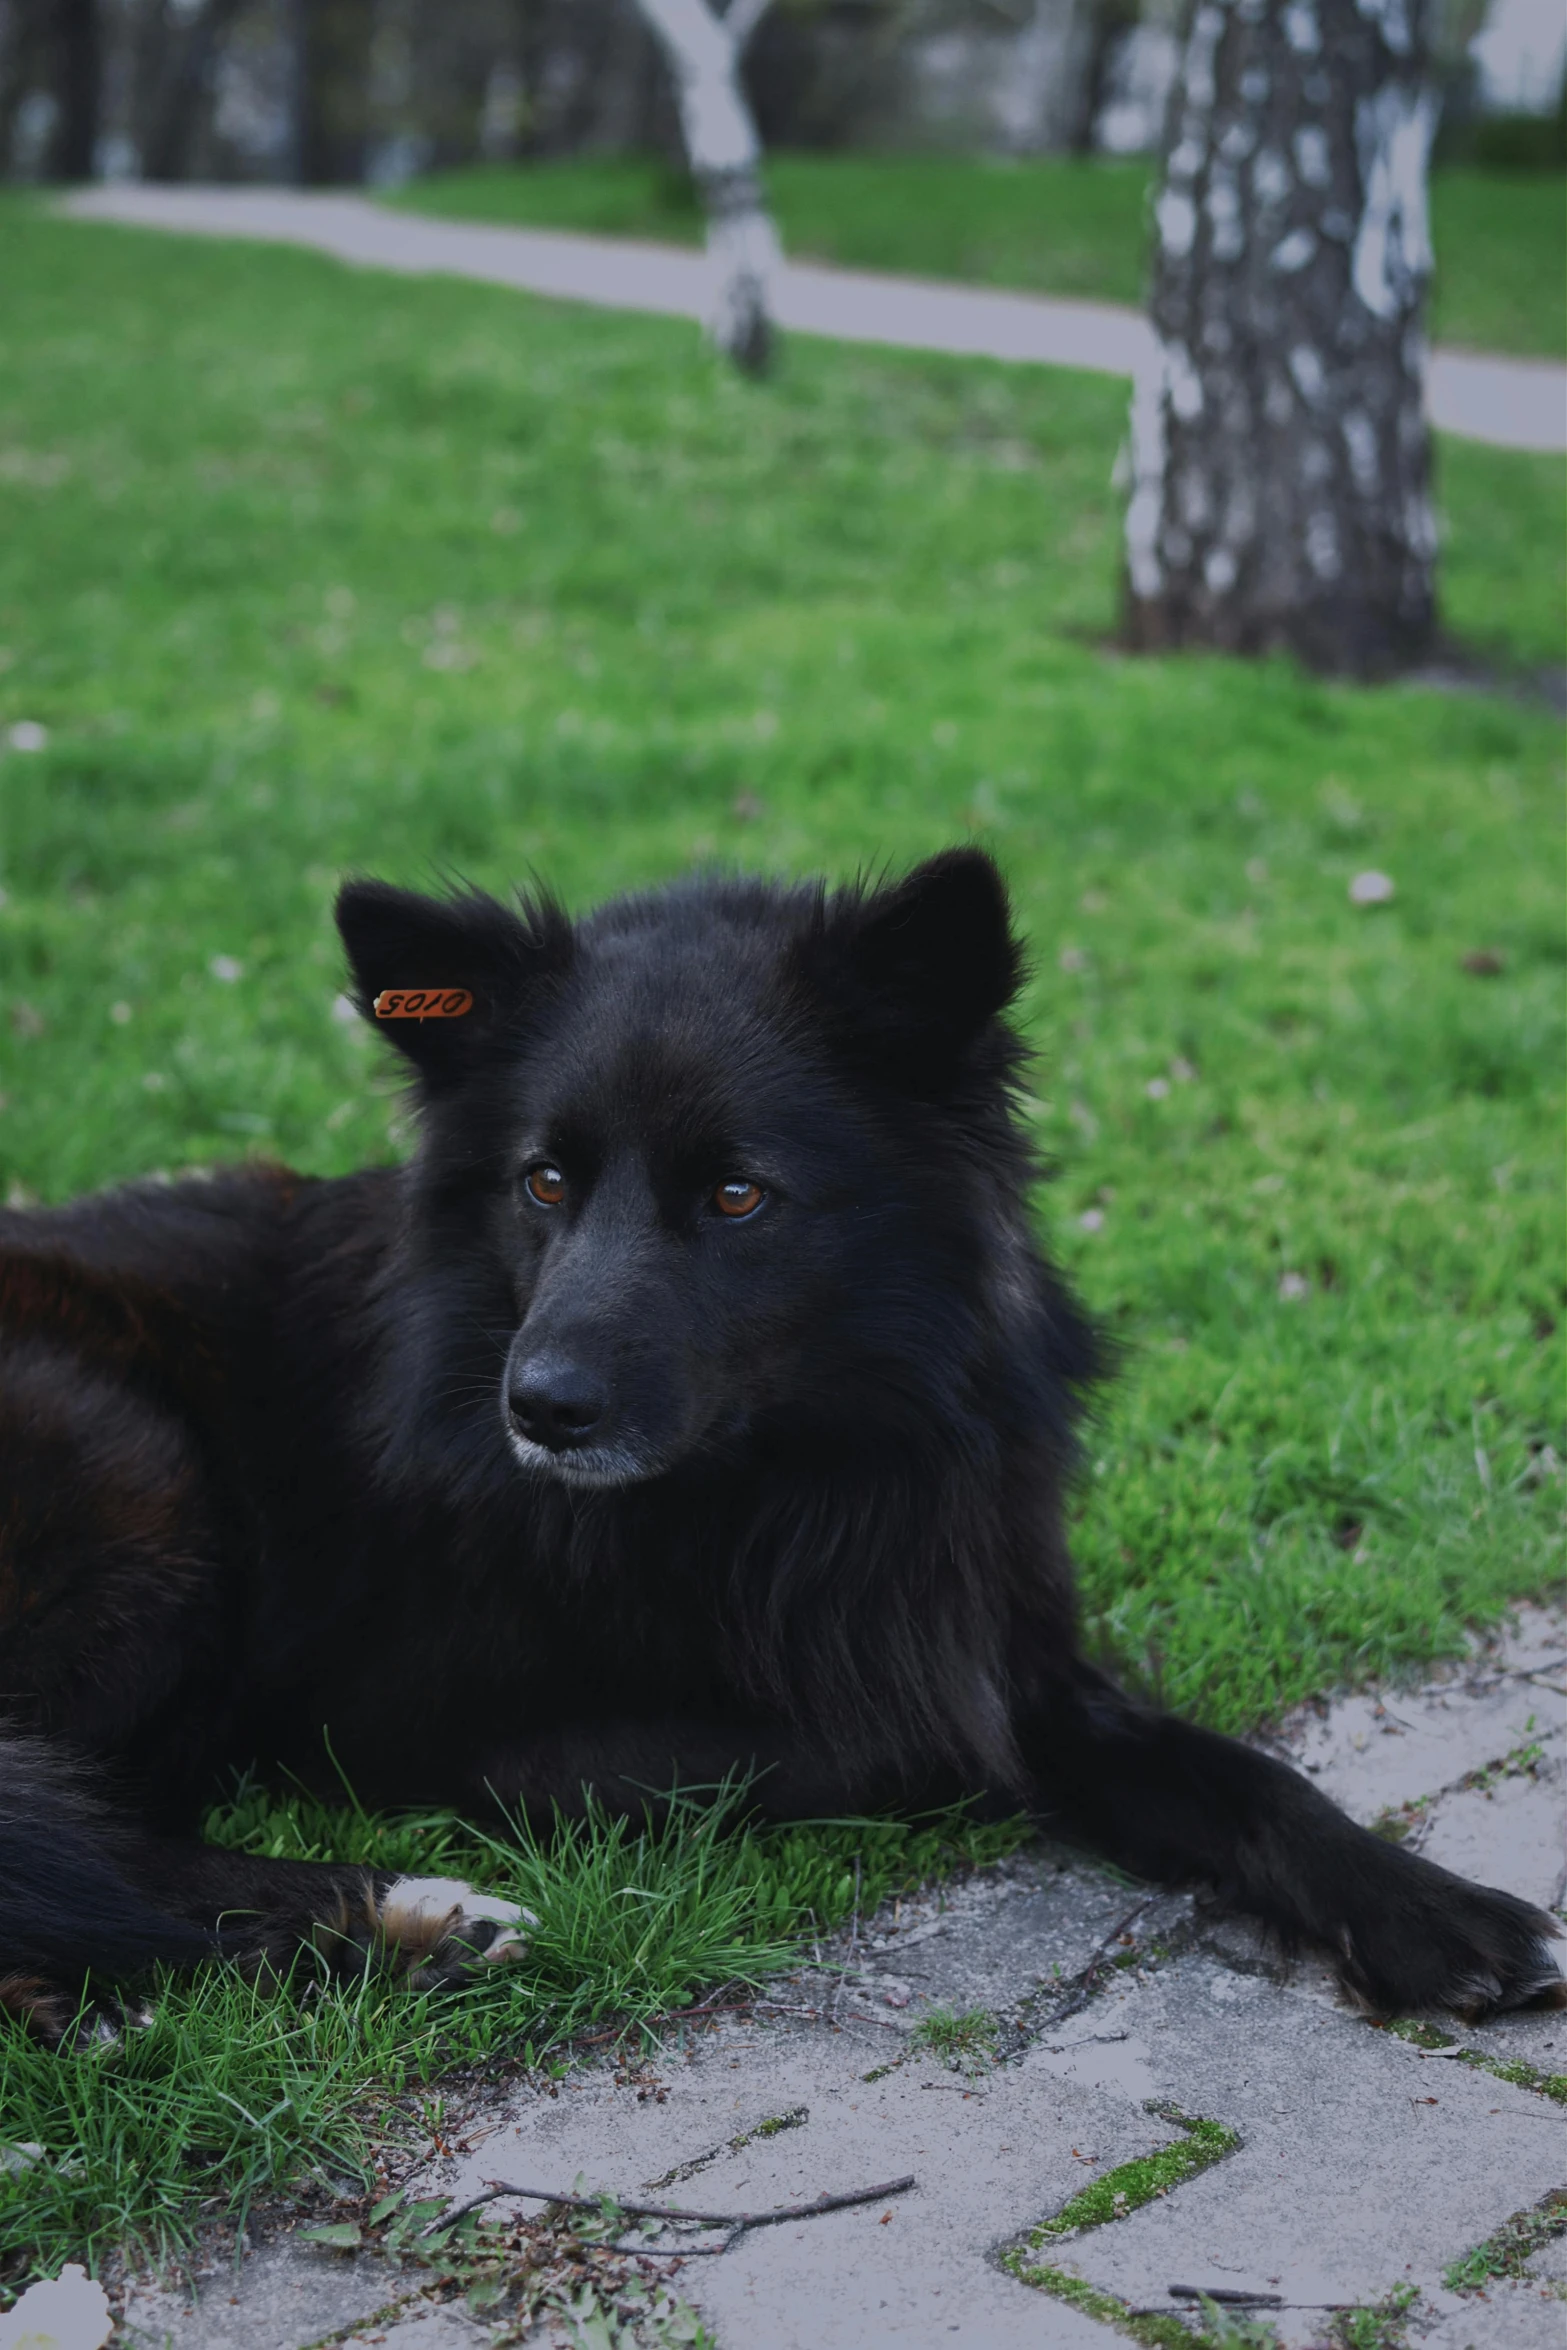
(546, 1184)
(738, 1198)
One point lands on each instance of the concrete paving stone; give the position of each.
(1508, 1834)
(282, 2297)
(1381, 1749)
(426, 2328)
(1373, 1754)
(1534, 1639)
(990, 2155)
(1548, 2266)
(990, 1942)
(1360, 2167)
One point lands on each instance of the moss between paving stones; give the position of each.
(1522, 2075)
(1120, 2192)
(1507, 2253)
(1380, 2327)
(1116, 2196)
(1501, 2068)
(1141, 2325)
(775, 2123)
(1400, 1820)
(1130, 2184)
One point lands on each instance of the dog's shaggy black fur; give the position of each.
(698, 1397)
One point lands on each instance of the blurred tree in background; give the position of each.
(331, 42)
(73, 34)
(328, 91)
(333, 90)
(704, 52)
(53, 48)
(1280, 454)
(174, 56)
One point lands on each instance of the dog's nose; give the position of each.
(555, 1402)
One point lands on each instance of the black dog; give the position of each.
(697, 1397)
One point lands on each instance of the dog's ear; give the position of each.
(444, 978)
(926, 961)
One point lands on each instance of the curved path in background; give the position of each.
(1511, 403)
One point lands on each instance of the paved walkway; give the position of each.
(1511, 403)
(1342, 2166)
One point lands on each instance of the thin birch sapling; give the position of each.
(722, 147)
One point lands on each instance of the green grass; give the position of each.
(1131, 2184)
(714, 1895)
(965, 2042)
(227, 2093)
(1051, 226)
(1514, 2069)
(305, 570)
(1148, 2327)
(231, 2092)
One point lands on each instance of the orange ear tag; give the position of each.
(423, 1003)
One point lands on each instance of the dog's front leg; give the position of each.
(1182, 1806)
(90, 1900)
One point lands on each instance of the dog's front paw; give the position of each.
(443, 1929)
(1439, 1943)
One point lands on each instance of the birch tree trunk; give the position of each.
(722, 147)
(1280, 457)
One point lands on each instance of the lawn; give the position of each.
(1053, 226)
(303, 570)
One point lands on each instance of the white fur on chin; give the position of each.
(595, 1468)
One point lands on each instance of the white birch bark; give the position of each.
(1279, 457)
(704, 51)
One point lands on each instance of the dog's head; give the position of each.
(711, 1168)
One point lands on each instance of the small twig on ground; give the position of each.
(735, 2223)
(1238, 2300)
(1084, 1983)
(1241, 2300)
(716, 2003)
(712, 2005)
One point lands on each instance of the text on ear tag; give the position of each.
(423, 1003)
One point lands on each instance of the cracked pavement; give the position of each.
(1368, 2164)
